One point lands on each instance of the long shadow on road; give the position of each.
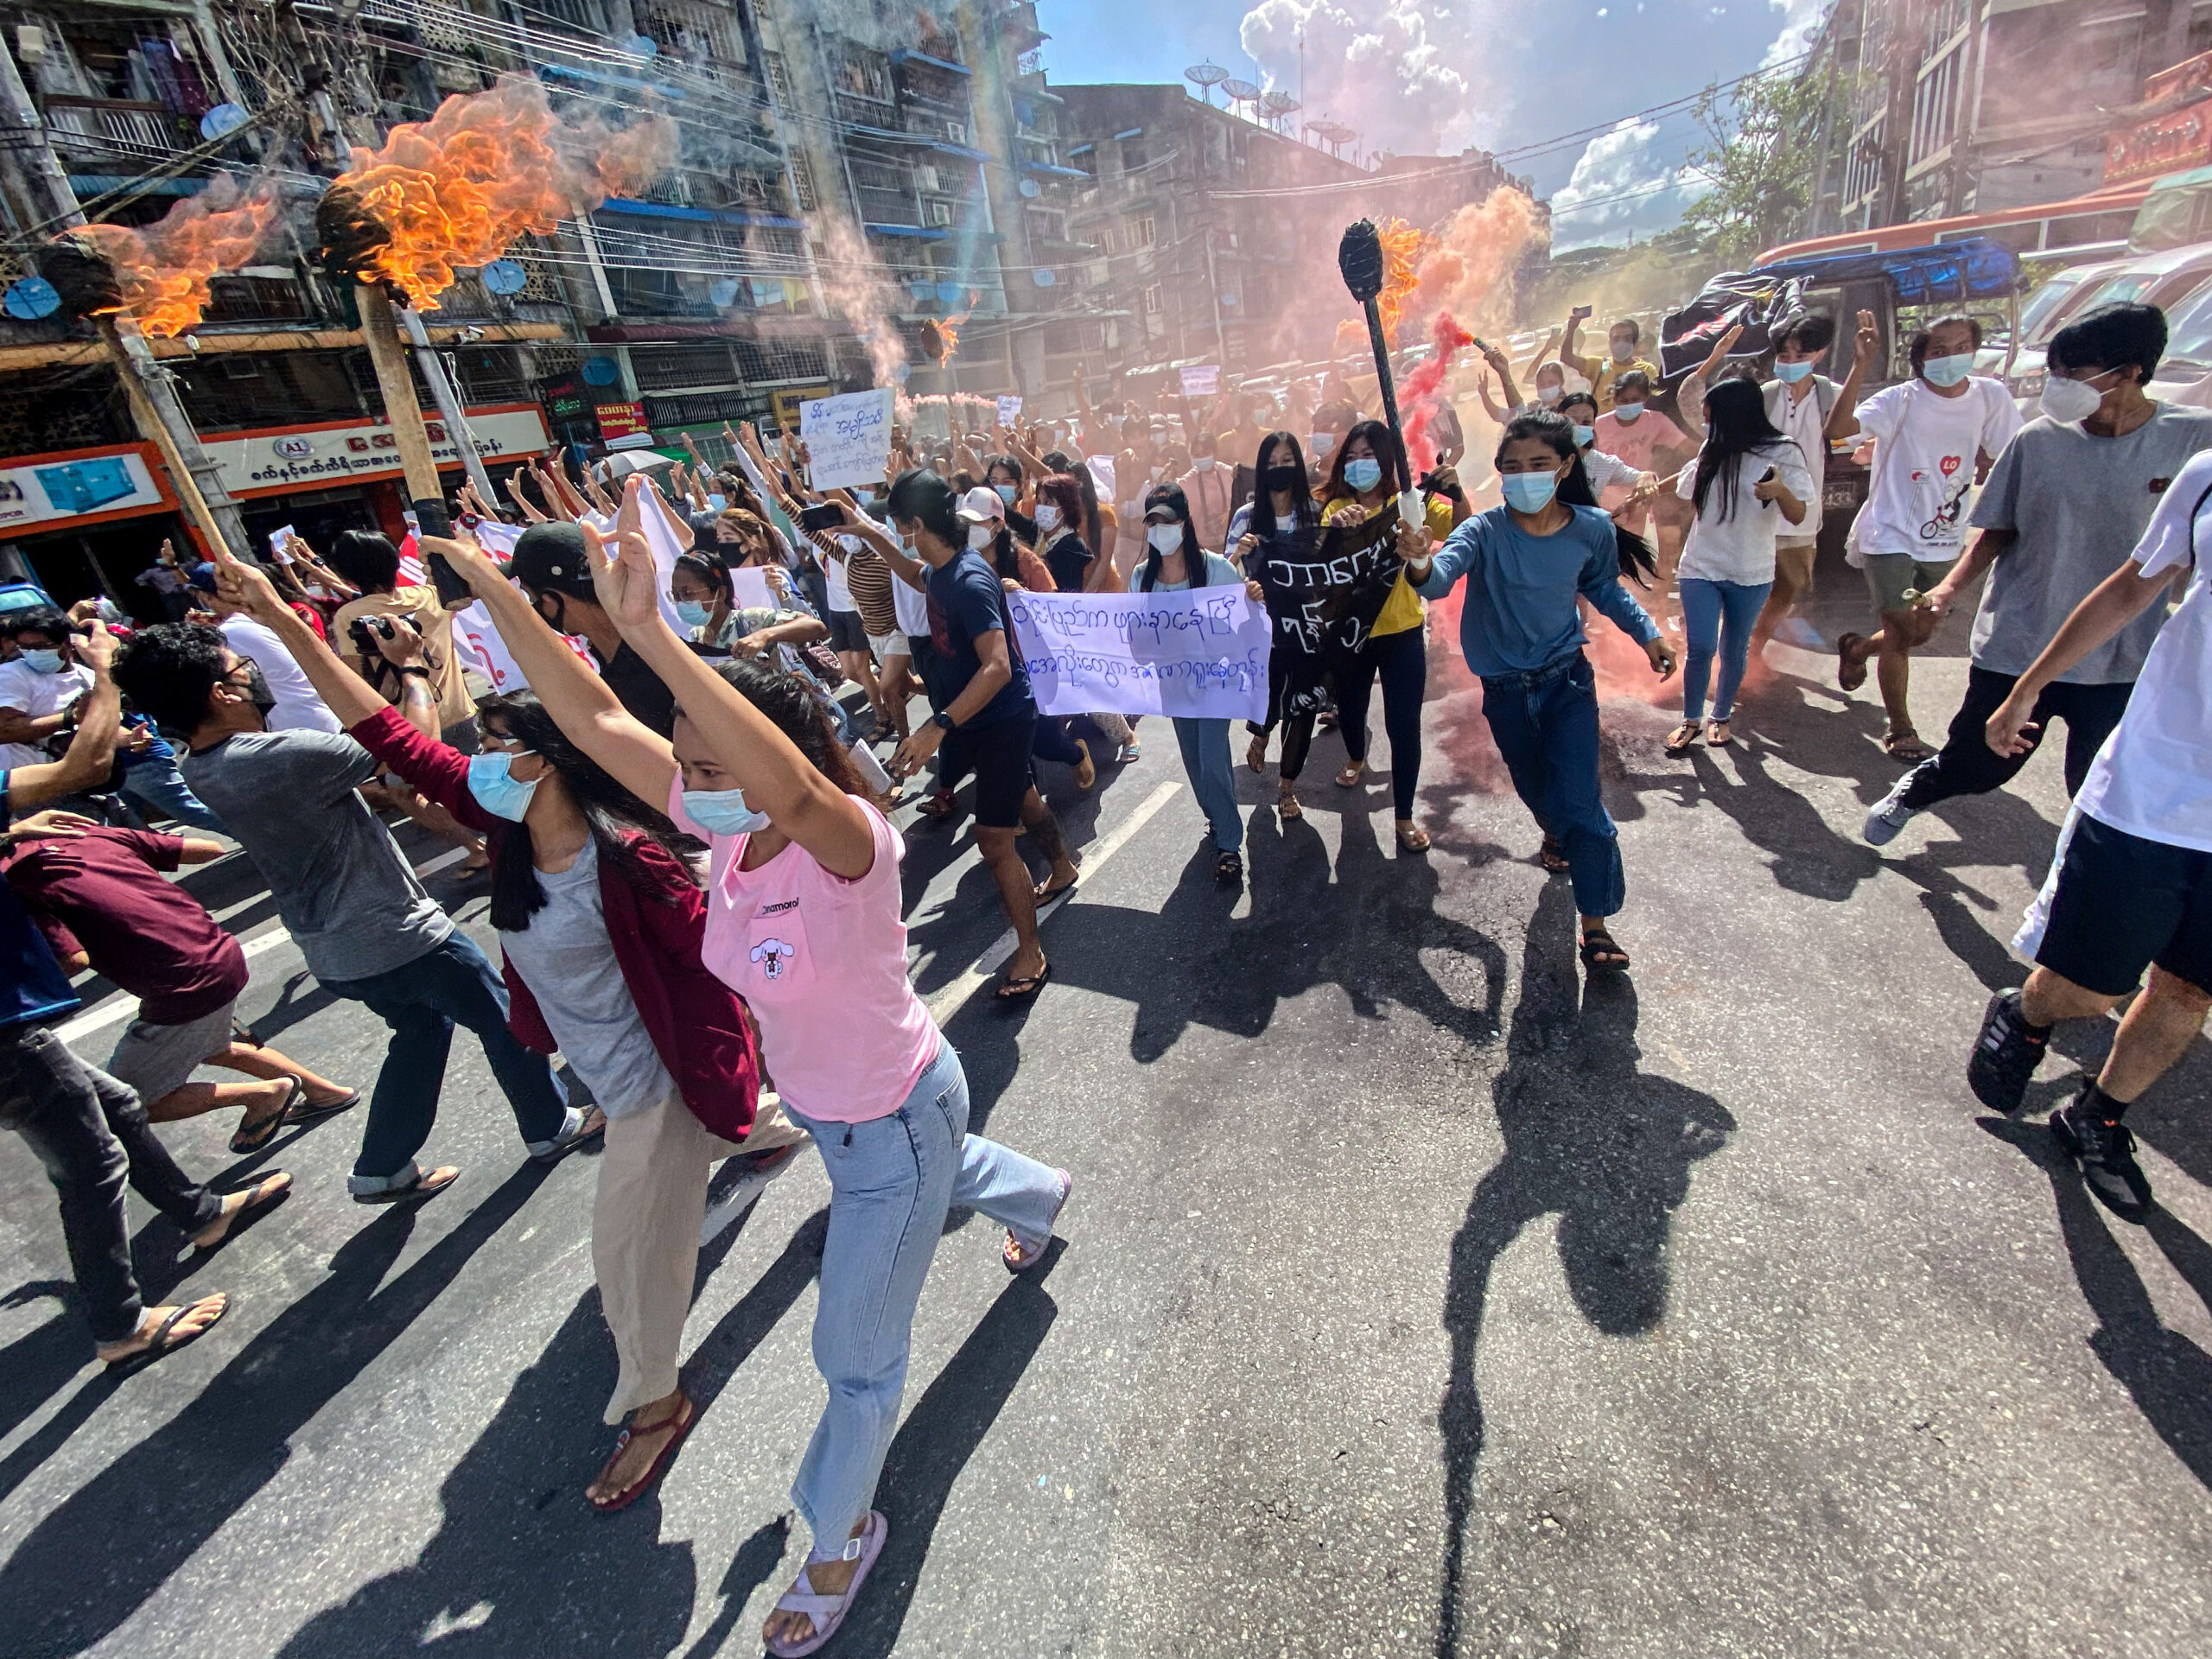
(1589, 1137)
(99, 1555)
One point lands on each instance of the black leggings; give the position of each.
(1967, 766)
(1402, 661)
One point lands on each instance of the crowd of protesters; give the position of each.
(675, 772)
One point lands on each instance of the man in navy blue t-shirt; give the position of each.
(90, 1131)
(986, 718)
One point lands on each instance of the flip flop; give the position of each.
(1682, 738)
(1023, 989)
(1553, 857)
(826, 1613)
(306, 1111)
(1850, 675)
(1717, 734)
(1413, 838)
(1288, 807)
(1350, 776)
(159, 1345)
(263, 1195)
(427, 1185)
(1044, 892)
(1018, 1255)
(252, 1137)
(686, 1415)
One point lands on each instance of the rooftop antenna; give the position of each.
(1240, 91)
(1205, 77)
(1276, 105)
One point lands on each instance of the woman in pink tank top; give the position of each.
(804, 922)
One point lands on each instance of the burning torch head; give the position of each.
(82, 275)
(1359, 257)
(349, 234)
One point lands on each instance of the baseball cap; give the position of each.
(981, 506)
(550, 558)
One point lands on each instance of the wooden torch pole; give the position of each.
(380, 332)
(197, 512)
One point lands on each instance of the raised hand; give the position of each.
(1868, 344)
(247, 587)
(96, 647)
(622, 571)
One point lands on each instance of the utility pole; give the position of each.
(448, 402)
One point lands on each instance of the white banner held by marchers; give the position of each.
(1202, 380)
(847, 437)
(1199, 654)
(1009, 407)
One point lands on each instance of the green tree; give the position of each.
(1761, 150)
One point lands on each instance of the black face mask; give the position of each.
(1285, 478)
(559, 621)
(256, 688)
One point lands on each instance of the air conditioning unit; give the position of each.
(956, 131)
(938, 214)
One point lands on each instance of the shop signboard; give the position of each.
(83, 487)
(283, 460)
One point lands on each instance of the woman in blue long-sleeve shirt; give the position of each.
(1526, 563)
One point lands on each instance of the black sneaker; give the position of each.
(2105, 1153)
(2005, 1055)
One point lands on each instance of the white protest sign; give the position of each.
(1009, 407)
(1202, 380)
(1200, 654)
(477, 643)
(749, 583)
(1102, 475)
(847, 437)
(497, 538)
(280, 542)
(670, 537)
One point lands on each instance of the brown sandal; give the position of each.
(1683, 738)
(1850, 674)
(1553, 856)
(1901, 743)
(681, 1418)
(1288, 807)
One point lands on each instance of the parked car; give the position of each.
(2168, 280)
(23, 596)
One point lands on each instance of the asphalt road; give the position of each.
(1414, 1298)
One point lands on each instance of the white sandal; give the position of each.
(824, 1612)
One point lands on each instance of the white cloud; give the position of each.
(1622, 187)
(1398, 72)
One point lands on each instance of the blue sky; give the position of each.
(1420, 75)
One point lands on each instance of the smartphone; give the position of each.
(431, 518)
(823, 515)
(1580, 312)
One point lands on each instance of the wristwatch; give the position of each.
(941, 721)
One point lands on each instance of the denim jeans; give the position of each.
(422, 1000)
(156, 783)
(891, 1181)
(1717, 614)
(1401, 661)
(1967, 766)
(1204, 744)
(90, 1131)
(1545, 723)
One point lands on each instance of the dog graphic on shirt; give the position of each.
(775, 956)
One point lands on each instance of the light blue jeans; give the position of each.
(1717, 614)
(891, 1181)
(1204, 744)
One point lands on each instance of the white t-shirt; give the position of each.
(1802, 418)
(298, 708)
(912, 606)
(1924, 460)
(2153, 777)
(24, 689)
(1740, 547)
(1606, 471)
(840, 592)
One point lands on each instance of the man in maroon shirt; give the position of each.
(100, 899)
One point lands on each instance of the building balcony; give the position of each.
(115, 126)
(1018, 26)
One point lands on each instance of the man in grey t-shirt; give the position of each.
(349, 897)
(2065, 506)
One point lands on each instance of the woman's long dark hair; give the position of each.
(1735, 423)
(1631, 552)
(800, 716)
(1006, 560)
(614, 814)
(1066, 492)
(1304, 514)
(1383, 442)
(1087, 487)
(1171, 496)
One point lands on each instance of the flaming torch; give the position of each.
(458, 190)
(1364, 264)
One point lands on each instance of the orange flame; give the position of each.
(486, 168)
(163, 270)
(941, 336)
(1401, 252)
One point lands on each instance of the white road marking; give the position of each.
(946, 1002)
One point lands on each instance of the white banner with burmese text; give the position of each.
(1199, 655)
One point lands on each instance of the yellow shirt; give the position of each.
(1602, 388)
(1404, 608)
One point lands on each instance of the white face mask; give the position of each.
(1048, 516)
(981, 536)
(2067, 401)
(1202, 464)
(1550, 394)
(1629, 413)
(1165, 539)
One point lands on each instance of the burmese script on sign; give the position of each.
(1201, 654)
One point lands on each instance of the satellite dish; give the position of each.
(1044, 278)
(1240, 91)
(948, 293)
(724, 290)
(1205, 77)
(923, 292)
(1332, 133)
(223, 120)
(1278, 104)
(638, 46)
(600, 372)
(29, 298)
(505, 277)
(1030, 190)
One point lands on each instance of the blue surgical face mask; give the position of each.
(1364, 474)
(497, 790)
(1529, 492)
(1628, 413)
(1320, 443)
(1948, 371)
(1006, 492)
(1791, 373)
(722, 812)
(1584, 436)
(694, 614)
(42, 662)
